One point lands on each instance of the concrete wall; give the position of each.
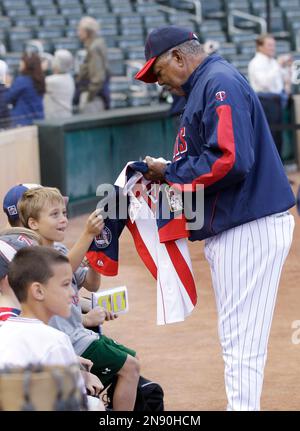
(19, 160)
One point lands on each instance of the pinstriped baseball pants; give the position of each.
(246, 264)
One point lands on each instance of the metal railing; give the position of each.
(234, 13)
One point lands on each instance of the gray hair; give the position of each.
(191, 47)
(63, 60)
(89, 24)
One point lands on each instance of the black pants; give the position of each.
(272, 107)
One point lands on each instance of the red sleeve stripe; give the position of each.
(224, 164)
(174, 229)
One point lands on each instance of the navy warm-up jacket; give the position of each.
(224, 143)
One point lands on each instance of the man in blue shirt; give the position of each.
(225, 145)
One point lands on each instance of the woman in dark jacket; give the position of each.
(26, 92)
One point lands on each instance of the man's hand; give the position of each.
(156, 170)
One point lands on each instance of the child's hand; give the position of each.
(94, 317)
(94, 224)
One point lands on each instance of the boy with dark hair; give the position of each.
(41, 279)
(43, 210)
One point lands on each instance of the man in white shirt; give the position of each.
(267, 74)
(271, 79)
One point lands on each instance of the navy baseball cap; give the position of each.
(12, 197)
(160, 40)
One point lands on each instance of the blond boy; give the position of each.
(43, 210)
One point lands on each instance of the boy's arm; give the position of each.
(92, 280)
(93, 227)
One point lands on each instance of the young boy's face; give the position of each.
(58, 291)
(52, 223)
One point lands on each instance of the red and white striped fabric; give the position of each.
(168, 262)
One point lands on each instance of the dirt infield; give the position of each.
(185, 358)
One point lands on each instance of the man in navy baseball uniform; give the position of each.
(224, 143)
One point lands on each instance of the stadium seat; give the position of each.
(54, 21)
(66, 43)
(68, 3)
(118, 100)
(107, 19)
(283, 47)
(291, 5)
(135, 30)
(218, 36)
(68, 11)
(213, 9)
(227, 50)
(144, 8)
(119, 9)
(71, 32)
(136, 53)
(42, 3)
(49, 33)
(116, 61)
(96, 11)
(17, 37)
(27, 21)
(43, 10)
(109, 30)
(131, 18)
(208, 26)
(129, 41)
(247, 48)
(94, 2)
(18, 12)
(139, 98)
(277, 21)
(154, 19)
(119, 84)
(5, 22)
(13, 61)
(13, 4)
(176, 19)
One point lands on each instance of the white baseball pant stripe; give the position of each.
(246, 264)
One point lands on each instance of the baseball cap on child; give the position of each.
(160, 40)
(11, 242)
(12, 198)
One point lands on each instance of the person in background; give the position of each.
(4, 111)
(271, 80)
(60, 86)
(93, 77)
(27, 91)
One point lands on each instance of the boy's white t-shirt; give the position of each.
(24, 341)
